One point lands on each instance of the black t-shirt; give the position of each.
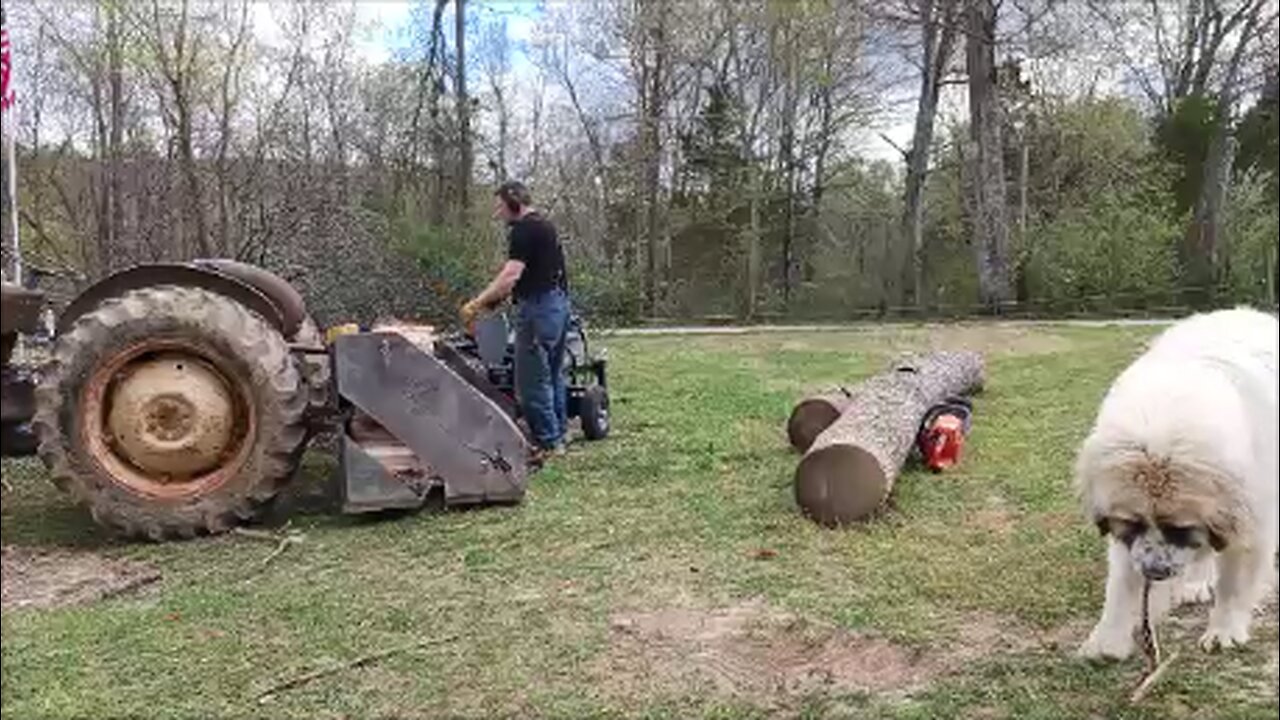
(532, 240)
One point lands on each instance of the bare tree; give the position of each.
(986, 155)
(177, 54)
(1189, 57)
(496, 57)
(1203, 250)
(653, 78)
(938, 21)
(464, 110)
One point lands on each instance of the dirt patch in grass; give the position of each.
(750, 650)
(995, 518)
(44, 578)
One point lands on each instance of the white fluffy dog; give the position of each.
(1180, 472)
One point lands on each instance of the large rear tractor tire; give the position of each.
(170, 412)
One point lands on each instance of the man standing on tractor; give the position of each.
(534, 276)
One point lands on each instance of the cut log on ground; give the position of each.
(814, 414)
(848, 471)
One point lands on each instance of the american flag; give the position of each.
(6, 70)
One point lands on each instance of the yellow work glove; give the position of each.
(468, 314)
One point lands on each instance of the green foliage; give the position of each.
(1082, 148)
(710, 211)
(1259, 136)
(603, 296)
(948, 261)
(1102, 222)
(1253, 226)
(1117, 250)
(1102, 227)
(855, 235)
(455, 264)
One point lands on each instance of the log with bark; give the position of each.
(849, 469)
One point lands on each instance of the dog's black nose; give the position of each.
(1157, 572)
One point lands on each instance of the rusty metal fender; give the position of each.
(206, 277)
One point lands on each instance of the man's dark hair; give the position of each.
(514, 195)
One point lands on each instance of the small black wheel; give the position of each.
(593, 409)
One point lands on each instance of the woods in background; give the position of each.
(702, 157)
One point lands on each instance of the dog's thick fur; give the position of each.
(1180, 473)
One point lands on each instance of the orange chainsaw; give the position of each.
(942, 433)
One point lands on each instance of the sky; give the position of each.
(385, 29)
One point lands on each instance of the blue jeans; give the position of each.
(542, 322)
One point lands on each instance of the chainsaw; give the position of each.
(942, 433)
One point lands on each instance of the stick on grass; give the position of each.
(1148, 682)
(282, 541)
(1155, 669)
(256, 534)
(285, 542)
(361, 661)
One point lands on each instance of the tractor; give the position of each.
(179, 398)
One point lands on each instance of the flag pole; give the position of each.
(10, 117)
(12, 180)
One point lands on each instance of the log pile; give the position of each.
(855, 440)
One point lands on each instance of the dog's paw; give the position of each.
(1103, 644)
(1224, 636)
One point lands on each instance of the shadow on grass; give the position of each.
(36, 514)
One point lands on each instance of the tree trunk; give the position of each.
(1020, 290)
(230, 78)
(434, 61)
(990, 221)
(115, 70)
(178, 69)
(504, 129)
(535, 164)
(464, 111)
(100, 187)
(652, 153)
(1203, 248)
(849, 470)
(938, 32)
(1205, 237)
(756, 189)
(788, 158)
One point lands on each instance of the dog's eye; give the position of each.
(1127, 530)
(1182, 535)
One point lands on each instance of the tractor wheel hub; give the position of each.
(171, 417)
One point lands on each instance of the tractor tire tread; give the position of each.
(249, 340)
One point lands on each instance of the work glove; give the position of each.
(468, 314)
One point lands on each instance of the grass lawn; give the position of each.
(663, 572)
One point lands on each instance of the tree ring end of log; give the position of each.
(840, 484)
(809, 418)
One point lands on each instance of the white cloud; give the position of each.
(381, 26)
